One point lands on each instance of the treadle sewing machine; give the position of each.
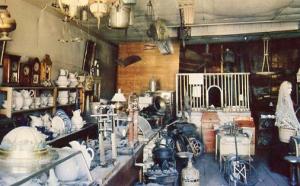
(226, 137)
(233, 151)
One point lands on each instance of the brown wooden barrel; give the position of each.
(209, 140)
(208, 120)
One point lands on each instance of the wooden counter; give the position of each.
(124, 172)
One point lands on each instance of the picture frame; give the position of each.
(2, 51)
(89, 55)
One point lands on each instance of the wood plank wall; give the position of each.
(136, 77)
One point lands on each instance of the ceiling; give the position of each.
(214, 20)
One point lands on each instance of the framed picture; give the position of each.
(89, 55)
(2, 50)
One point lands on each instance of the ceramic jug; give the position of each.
(36, 121)
(71, 165)
(44, 100)
(18, 100)
(88, 155)
(28, 98)
(73, 76)
(73, 79)
(46, 120)
(63, 72)
(27, 93)
(77, 120)
(62, 80)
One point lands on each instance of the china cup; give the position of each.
(37, 102)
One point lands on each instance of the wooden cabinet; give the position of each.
(8, 107)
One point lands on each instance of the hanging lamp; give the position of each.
(70, 7)
(265, 62)
(7, 24)
(98, 9)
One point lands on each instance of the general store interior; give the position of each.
(149, 92)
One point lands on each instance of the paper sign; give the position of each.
(196, 79)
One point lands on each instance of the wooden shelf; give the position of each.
(8, 94)
(66, 105)
(35, 88)
(67, 88)
(31, 110)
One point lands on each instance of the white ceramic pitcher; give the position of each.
(77, 120)
(88, 154)
(18, 100)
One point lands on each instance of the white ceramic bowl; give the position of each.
(62, 83)
(23, 139)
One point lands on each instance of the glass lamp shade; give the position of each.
(98, 9)
(118, 97)
(72, 5)
(7, 24)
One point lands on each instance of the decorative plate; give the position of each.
(65, 118)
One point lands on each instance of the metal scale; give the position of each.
(104, 120)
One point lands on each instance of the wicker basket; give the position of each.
(285, 134)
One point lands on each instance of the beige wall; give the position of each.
(136, 77)
(37, 34)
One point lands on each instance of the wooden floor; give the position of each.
(211, 176)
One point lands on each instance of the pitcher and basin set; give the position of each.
(66, 79)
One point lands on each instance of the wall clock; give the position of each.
(46, 66)
(11, 69)
(25, 74)
(35, 71)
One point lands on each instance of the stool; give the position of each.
(293, 160)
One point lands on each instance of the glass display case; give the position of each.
(66, 167)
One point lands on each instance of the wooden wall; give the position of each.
(136, 77)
